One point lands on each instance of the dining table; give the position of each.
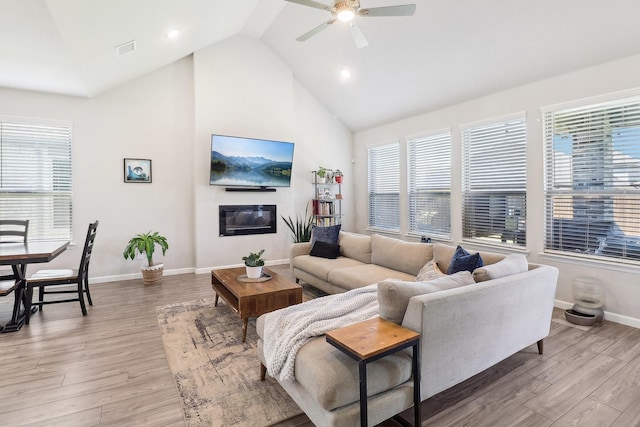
(19, 256)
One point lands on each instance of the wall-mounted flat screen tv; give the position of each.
(250, 162)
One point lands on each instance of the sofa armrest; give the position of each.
(298, 249)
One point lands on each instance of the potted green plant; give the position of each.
(146, 244)
(253, 264)
(321, 173)
(301, 228)
(337, 175)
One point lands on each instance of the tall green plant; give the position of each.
(145, 244)
(300, 227)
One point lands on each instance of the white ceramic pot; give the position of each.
(254, 272)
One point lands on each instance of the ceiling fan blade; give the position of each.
(401, 10)
(310, 3)
(316, 30)
(358, 37)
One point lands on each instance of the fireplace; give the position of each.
(239, 220)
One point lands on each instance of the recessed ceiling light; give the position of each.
(173, 34)
(345, 74)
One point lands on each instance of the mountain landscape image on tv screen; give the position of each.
(249, 162)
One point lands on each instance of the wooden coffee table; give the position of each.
(252, 299)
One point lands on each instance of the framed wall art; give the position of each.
(137, 170)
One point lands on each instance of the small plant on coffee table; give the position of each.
(253, 264)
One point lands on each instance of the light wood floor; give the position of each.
(109, 368)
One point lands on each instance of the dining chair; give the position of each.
(12, 231)
(44, 279)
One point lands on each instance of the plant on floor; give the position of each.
(146, 244)
(301, 228)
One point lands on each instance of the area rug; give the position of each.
(217, 375)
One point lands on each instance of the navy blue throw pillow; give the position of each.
(463, 260)
(325, 250)
(325, 234)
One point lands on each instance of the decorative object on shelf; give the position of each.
(146, 244)
(301, 228)
(253, 263)
(321, 173)
(337, 176)
(137, 170)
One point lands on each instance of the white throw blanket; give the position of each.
(288, 329)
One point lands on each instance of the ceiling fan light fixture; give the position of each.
(345, 15)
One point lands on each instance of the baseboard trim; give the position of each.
(612, 317)
(133, 276)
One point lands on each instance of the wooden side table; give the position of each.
(374, 339)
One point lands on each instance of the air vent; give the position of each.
(125, 48)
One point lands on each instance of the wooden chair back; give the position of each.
(13, 230)
(83, 270)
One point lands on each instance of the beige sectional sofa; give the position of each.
(365, 260)
(464, 330)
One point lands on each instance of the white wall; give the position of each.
(237, 87)
(242, 88)
(622, 284)
(151, 118)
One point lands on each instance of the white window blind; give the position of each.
(384, 187)
(494, 182)
(592, 180)
(429, 185)
(35, 176)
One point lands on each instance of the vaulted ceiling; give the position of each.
(448, 52)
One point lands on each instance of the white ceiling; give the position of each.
(448, 52)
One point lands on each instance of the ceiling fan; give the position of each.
(346, 10)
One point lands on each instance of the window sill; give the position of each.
(593, 262)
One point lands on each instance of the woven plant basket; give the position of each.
(152, 275)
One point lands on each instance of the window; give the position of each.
(35, 176)
(494, 182)
(429, 185)
(592, 180)
(384, 187)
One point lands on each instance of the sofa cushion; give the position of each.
(396, 254)
(364, 274)
(325, 234)
(321, 267)
(463, 260)
(325, 250)
(394, 295)
(428, 272)
(511, 264)
(356, 246)
(442, 255)
(331, 377)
